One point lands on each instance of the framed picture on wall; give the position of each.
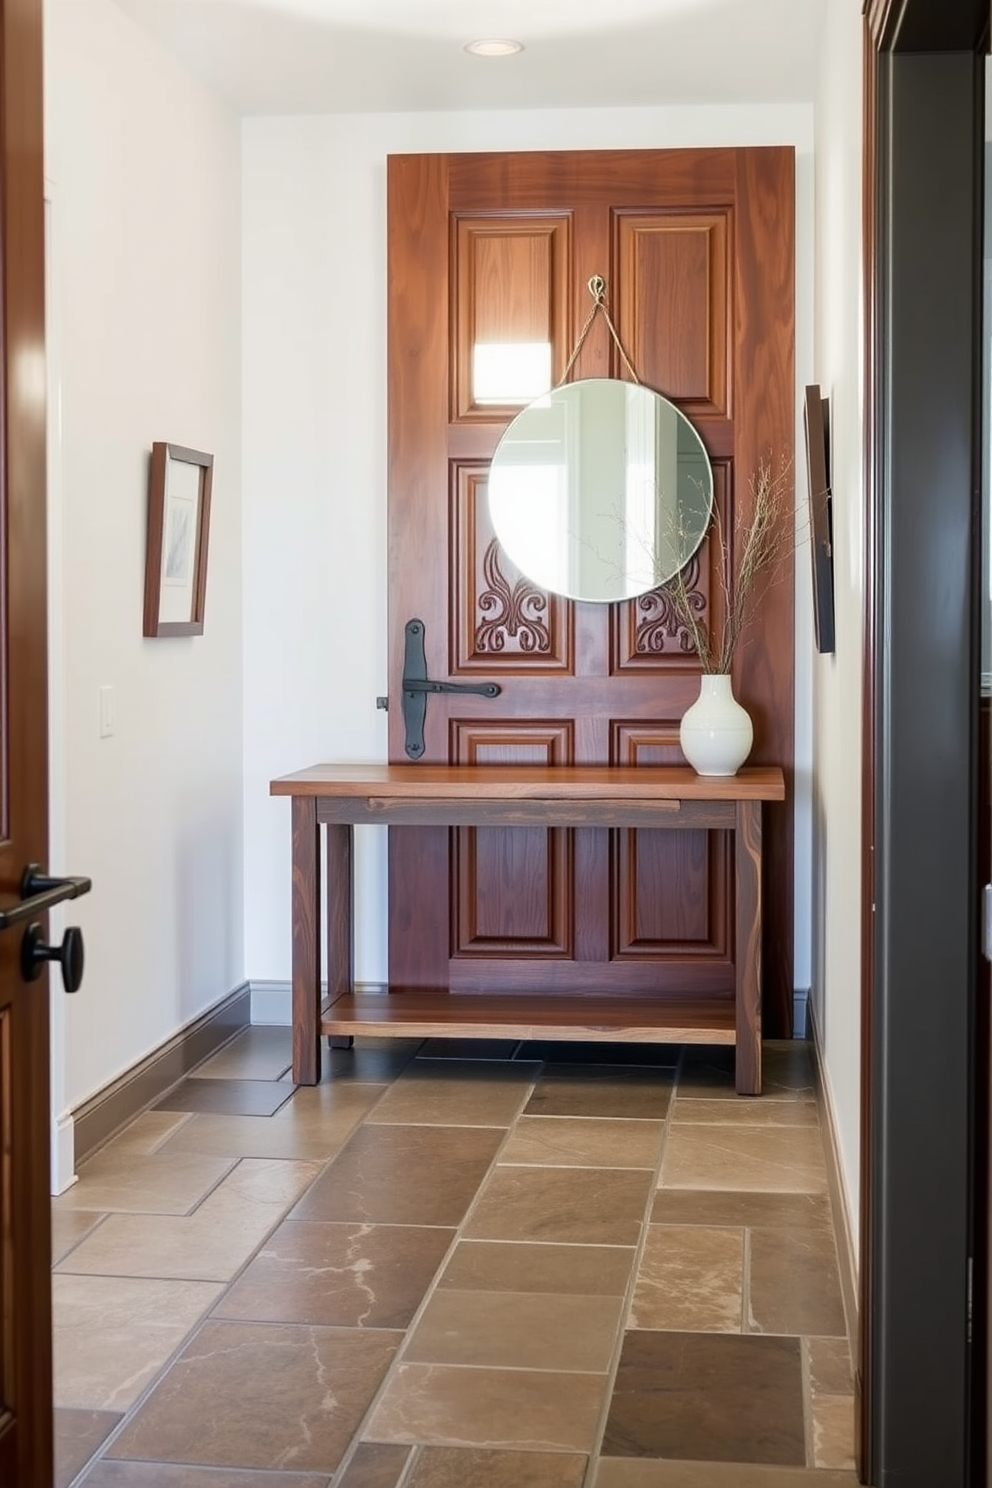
(179, 487)
(820, 517)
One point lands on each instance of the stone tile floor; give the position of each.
(456, 1265)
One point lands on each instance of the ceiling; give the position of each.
(359, 56)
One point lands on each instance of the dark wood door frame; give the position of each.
(26, 1448)
(923, 199)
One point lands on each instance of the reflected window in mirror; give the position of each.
(600, 490)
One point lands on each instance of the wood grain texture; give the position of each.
(418, 392)
(512, 887)
(306, 940)
(619, 1020)
(501, 621)
(508, 286)
(646, 633)
(340, 909)
(747, 952)
(604, 783)
(680, 977)
(25, 1202)
(537, 810)
(675, 273)
(764, 390)
(505, 244)
(656, 993)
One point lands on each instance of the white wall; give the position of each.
(838, 677)
(144, 172)
(315, 454)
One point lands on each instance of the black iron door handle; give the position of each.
(34, 954)
(416, 685)
(38, 893)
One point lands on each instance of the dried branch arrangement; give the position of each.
(769, 535)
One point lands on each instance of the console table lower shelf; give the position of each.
(335, 798)
(615, 1020)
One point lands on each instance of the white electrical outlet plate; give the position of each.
(107, 711)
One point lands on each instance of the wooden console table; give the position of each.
(337, 797)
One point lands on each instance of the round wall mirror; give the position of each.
(600, 490)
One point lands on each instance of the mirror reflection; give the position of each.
(600, 490)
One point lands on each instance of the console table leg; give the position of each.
(306, 941)
(747, 950)
(340, 913)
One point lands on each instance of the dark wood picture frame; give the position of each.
(178, 532)
(820, 525)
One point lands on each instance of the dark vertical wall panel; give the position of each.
(926, 734)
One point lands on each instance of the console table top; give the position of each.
(526, 782)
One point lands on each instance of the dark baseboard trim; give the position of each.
(847, 1249)
(104, 1114)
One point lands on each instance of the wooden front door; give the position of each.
(496, 251)
(25, 1204)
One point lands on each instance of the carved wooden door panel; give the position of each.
(490, 255)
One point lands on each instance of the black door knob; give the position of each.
(34, 954)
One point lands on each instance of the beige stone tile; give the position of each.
(731, 1397)
(580, 1206)
(261, 1052)
(830, 1371)
(769, 1159)
(468, 1048)
(789, 1062)
(833, 1431)
(375, 1465)
(614, 1053)
(112, 1335)
(442, 1092)
(264, 1396)
(353, 1276)
(108, 1474)
(632, 1472)
(210, 1245)
(787, 1071)
(422, 1175)
(79, 1434)
(466, 1467)
(145, 1134)
(446, 1405)
(794, 1211)
(562, 1141)
(129, 1182)
(69, 1226)
(605, 1091)
(517, 1266)
(228, 1097)
(305, 1127)
(374, 1060)
(794, 1283)
(516, 1330)
(690, 1279)
(766, 1110)
(332, 1098)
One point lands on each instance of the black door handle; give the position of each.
(424, 684)
(39, 892)
(416, 685)
(34, 954)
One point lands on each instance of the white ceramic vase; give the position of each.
(716, 733)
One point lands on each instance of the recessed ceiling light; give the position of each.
(494, 47)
